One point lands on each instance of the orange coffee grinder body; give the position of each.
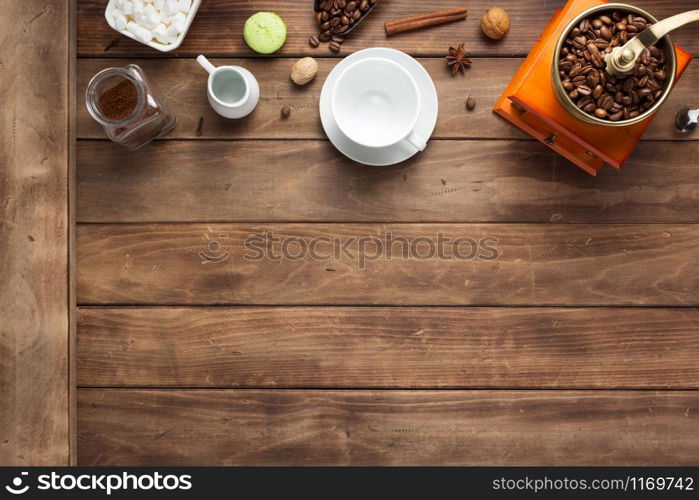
(530, 102)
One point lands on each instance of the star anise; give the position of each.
(458, 59)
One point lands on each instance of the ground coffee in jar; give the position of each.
(129, 107)
(119, 102)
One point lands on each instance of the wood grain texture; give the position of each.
(218, 27)
(34, 233)
(533, 264)
(234, 427)
(281, 347)
(184, 82)
(451, 181)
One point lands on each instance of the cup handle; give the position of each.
(417, 141)
(204, 63)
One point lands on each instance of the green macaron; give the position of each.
(265, 32)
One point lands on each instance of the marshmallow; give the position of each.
(179, 20)
(184, 5)
(138, 7)
(172, 31)
(139, 32)
(159, 4)
(172, 7)
(150, 18)
(127, 8)
(120, 21)
(160, 33)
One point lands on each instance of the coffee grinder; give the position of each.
(533, 102)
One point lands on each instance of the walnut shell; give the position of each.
(495, 23)
(304, 70)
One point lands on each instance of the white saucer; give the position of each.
(389, 155)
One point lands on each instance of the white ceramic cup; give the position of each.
(376, 103)
(232, 90)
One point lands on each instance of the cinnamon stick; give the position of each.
(424, 20)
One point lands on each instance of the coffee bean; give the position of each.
(584, 101)
(313, 41)
(286, 112)
(337, 39)
(470, 103)
(605, 101)
(582, 68)
(593, 78)
(590, 108)
(578, 80)
(334, 46)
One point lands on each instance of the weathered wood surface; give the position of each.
(34, 233)
(451, 181)
(218, 26)
(278, 347)
(184, 82)
(264, 376)
(516, 264)
(271, 427)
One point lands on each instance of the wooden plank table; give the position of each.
(37, 386)
(578, 344)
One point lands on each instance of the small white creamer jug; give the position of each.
(232, 90)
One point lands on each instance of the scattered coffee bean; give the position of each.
(286, 112)
(313, 41)
(334, 46)
(470, 103)
(583, 73)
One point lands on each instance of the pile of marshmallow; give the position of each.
(163, 20)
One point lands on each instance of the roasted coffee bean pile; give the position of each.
(591, 88)
(335, 17)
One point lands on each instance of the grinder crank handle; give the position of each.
(622, 60)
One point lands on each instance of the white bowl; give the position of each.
(156, 45)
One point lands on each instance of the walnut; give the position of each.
(304, 70)
(495, 23)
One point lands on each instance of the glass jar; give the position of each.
(151, 117)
